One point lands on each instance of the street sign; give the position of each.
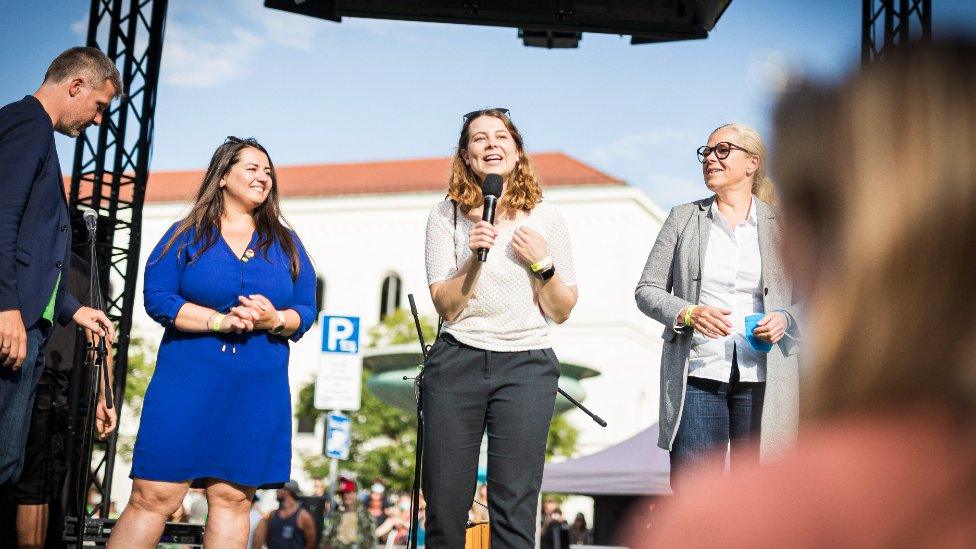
(340, 334)
(338, 433)
(338, 383)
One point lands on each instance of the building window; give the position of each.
(319, 296)
(389, 295)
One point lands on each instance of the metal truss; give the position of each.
(109, 175)
(891, 25)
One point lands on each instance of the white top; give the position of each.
(503, 314)
(731, 279)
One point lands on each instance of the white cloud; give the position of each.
(288, 30)
(194, 60)
(640, 147)
(292, 31)
(79, 28)
(211, 43)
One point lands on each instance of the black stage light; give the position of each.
(542, 23)
(550, 39)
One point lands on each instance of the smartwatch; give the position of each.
(546, 274)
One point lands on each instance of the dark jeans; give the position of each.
(715, 415)
(467, 390)
(17, 390)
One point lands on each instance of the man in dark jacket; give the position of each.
(35, 236)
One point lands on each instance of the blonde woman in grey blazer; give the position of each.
(714, 265)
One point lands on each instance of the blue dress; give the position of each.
(218, 405)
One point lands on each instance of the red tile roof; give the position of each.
(394, 176)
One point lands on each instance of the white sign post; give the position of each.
(338, 385)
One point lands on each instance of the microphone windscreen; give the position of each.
(90, 217)
(492, 185)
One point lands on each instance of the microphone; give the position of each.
(491, 189)
(91, 218)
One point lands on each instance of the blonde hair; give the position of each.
(749, 139)
(881, 173)
(523, 189)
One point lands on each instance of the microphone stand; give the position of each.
(419, 450)
(98, 378)
(418, 393)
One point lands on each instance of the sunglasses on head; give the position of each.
(722, 151)
(249, 141)
(501, 110)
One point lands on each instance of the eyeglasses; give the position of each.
(722, 150)
(501, 110)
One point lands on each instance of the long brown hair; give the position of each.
(523, 189)
(878, 177)
(208, 207)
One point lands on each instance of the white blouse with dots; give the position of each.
(503, 314)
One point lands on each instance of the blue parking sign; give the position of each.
(338, 433)
(340, 334)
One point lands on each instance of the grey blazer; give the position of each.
(672, 281)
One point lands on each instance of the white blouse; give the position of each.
(731, 279)
(503, 314)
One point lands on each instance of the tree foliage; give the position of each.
(142, 364)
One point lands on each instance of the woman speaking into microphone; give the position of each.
(492, 366)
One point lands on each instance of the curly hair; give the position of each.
(523, 189)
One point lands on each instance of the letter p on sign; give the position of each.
(340, 334)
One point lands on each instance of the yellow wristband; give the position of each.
(542, 264)
(688, 312)
(217, 320)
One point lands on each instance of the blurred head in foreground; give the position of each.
(877, 184)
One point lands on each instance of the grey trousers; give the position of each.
(466, 391)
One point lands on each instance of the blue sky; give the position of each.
(316, 91)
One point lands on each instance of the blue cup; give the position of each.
(757, 344)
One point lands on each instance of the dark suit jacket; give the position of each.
(35, 234)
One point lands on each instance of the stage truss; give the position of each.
(111, 167)
(891, 25)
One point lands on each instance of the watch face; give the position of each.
(546, 274)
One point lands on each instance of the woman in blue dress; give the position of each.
(231, 283)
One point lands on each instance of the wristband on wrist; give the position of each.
(216, 320)
(688, 312)
(542, 264)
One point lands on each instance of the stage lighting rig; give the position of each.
(540, 23)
